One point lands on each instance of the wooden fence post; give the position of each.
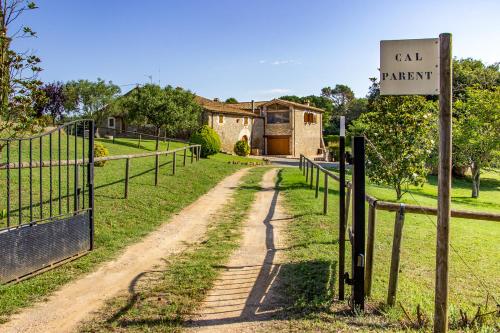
(300, 162)
(347, 204)
(325, 195)
(127, 175)
(184, 158)
(303, 165)
(312, 175)
(317, 182)
(192, 154)
(168, 145)
(307, 171)
(395, 257)
(157, 165)
(173, 164)
(444, 183)
(370, 245)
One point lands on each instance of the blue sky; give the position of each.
(256, 49)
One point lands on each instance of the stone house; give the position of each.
(276, 127)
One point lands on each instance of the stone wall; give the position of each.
(231, 130)
(279, 129)
(258, 135)
(307, 136)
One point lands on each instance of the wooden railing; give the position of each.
(308, 167)
(195, 151)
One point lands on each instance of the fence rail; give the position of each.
(139, 135)
(23, 165)
(307, 166)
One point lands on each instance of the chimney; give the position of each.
(253, 106)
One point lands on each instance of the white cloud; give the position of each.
(275, 91)
(280, 62)
(285, 62)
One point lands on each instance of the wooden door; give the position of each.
(278, 146)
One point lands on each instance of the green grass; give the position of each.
(426, 195)
(161, 301)
(119, 221)
(314, 252)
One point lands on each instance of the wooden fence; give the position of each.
(194, 150)
(308, 167)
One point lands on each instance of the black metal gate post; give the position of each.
(90, 180)
(342, 219)
(358, 246)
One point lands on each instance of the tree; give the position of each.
(89, 99)
(55, 101)
(231, 100)
(340, 96)
(172, 109)
(471, 72)
(476, 132)
(292, 98)
(19, 84)
(397, 130)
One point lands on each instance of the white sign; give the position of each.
(409, 67)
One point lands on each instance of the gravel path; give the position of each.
(63, 311)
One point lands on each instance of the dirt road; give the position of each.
(72, 303)
(245, 293)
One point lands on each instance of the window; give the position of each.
(111, 122)
(221, 119)
(278, 117)
(310, 118)
(245, 121)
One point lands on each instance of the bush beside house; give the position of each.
(241, 148)
(208, 139)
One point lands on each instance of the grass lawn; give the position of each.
(161, 301)
(313, 241)
(119, 221)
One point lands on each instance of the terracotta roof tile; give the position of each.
(289, 103)
(220, 107)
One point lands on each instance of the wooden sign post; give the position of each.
(424, 67)
(444, 185)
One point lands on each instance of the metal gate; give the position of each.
(48, 183)
(357, 231)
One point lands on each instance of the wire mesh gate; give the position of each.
(48, 183)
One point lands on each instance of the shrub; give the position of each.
(208, 139)
(241, 148)
(100, 151)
